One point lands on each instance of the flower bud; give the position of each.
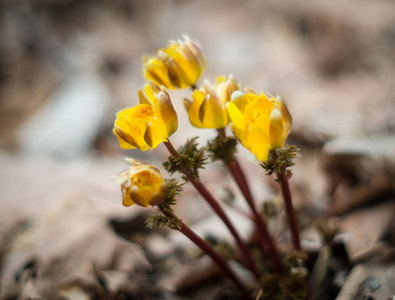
(149, 123)
(177, 67)
(208, 108)
(142, 184)
(260, 123)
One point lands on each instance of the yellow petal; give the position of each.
(178, 76)
(220, 79)
(148, 186)
(150, 91)
(286, 116)
(142, 98)
(224, 92)
(138, 197)
(131, 124)
(203, 109)
(198, 54)
(156, 70)
(126, 141)
(155, 89)
(198, 98)
(257, 108)
(190, 62)
(162, 106)
(225, 88)
(276, 130)
(126, 199)
(168, 113)
(235, 114)
(239, 133)
(240, 100)
(215, 114)
(155, 134)
(258, 143)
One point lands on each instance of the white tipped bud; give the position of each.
(236, 95)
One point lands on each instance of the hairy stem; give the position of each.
(202, 244)
(286, 193)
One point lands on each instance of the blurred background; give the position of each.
(67, 67)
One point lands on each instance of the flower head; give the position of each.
(142, 184)
(260, 123)
(208, 108)
(149, 123)
(177, 67)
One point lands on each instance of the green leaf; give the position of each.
(284, 160)
(190, 160)
(174, 189)
(222, 148)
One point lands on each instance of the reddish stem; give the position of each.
(238, 175)
(263, 231)
(189, 233)
(171, 149)
(286, 193)
(220, 212)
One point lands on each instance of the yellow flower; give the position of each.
(149, 123)
(142, 184)
(208, 108)
(178, 66)
(260, 123)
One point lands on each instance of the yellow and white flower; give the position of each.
(149, 123)
(142, 184)
(177, 67)
(260, 123)
(208, 108)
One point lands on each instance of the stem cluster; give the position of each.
(187, 161)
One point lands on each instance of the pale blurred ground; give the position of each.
(66, 68)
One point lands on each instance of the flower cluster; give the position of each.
(260, 122)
